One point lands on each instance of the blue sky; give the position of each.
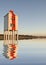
(31, 13)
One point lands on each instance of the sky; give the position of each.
(31, 15)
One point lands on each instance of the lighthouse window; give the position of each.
(12, 25)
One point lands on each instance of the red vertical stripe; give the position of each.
(13, 20)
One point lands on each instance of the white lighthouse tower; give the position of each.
(11, 27)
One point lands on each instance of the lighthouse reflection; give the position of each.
(10, 50)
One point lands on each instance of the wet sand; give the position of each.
(22, 37)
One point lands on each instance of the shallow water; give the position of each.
(30, 52)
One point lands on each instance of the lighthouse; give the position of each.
(11, 27)
(10, 35)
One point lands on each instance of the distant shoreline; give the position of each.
(25, 37)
